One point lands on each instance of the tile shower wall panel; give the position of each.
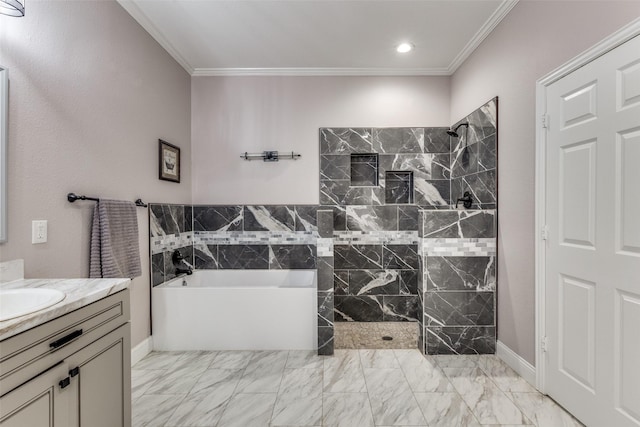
(326, 292)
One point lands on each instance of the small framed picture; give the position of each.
(169, 161)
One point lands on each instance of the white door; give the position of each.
(592, 282)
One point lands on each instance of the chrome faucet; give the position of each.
(178, 261)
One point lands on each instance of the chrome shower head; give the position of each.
(454, 132)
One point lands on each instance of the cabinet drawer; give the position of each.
(27, 354)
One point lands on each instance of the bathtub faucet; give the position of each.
(178, 261)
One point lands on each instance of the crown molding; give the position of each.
(320, 72)
(486, 29)
(145, 23)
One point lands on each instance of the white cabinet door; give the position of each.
(40, 402)
(592, 261)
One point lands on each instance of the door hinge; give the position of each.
(544, 121)
(544, 232)
(543, 344)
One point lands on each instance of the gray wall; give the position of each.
(535, 38)
(90, 94)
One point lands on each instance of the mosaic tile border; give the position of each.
(458, 247)
(376, 237)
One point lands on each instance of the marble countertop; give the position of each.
(78, 293)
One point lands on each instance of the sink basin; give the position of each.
(19, 302)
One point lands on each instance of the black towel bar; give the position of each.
(72, 197)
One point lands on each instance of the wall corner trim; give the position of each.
(141, 350)
(525, 369)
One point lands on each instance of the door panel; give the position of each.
(592, 259)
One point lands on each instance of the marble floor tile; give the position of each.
(484, 398)
(445, 410)
(302, 359)
(392, 401)
(248, 410)
(159, 360)
(422, 373)
(142, 380)
(195, 359)
(178, 381)
(543, 411)
(343, 373)
(505, 378)
(346, 410)
(297, 410)
(199, 411)
(231, 360)
(154, 410)
(456, 360)
(216, 382)
(378, 359)
(264, 372)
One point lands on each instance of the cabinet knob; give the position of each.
(65, 382)
(75, 371)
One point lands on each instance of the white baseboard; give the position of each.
(141, 350)
(525, 369)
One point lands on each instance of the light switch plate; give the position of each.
(39, 231)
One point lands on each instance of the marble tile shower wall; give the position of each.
(474, 157)
(232, 237)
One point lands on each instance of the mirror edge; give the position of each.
(4, 131)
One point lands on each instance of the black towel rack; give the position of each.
(72, 197)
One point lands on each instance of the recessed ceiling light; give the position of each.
(404, 47)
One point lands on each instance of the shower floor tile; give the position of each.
(353, 388)
(357, 335)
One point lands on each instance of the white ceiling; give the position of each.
(318, 37)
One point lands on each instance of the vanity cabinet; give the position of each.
(72, 371)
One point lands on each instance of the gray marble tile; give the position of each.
(446, 410)
(423, 374)
(325, 309)
(341, 282)
(372, 218)
(325, 274)
(334, 167)
(166, 220)
(325, 340)
(464, 161)
(177, 381)
(371, 196)
(158, 360)
(347, 410)
(542, 411)
(430, 193)
(333, 192)
(374, 282)
(243, 257)
(456, 360)
(459, 308)
(484, 398)
(364, 308)
(400, 256)
(505, 378)
(154, 410)
(409, 282)
(232, 360)
(357, 256)
(248, 410)
(206, 256)
(269, 218)
(218, 218)
(392, 401)
(398, 140)
(204, 405)
(303, 359)
(264, 372)
(157, 269)
(458, 224)
(460, 339)
(306, 218)
(436, 140)
(419, 164)
(460, 273)
(345, 140)
(290, 257)
(325, 220)
(401, 308)
(142, 380)
(299, 399)
(378, 359)
(194, 359)
(343, 373)
(487, 153)
(481, 186)
(407, 218)
(398, 187)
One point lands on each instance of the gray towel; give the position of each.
(114, 240)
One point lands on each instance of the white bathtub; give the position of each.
(236, 310)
